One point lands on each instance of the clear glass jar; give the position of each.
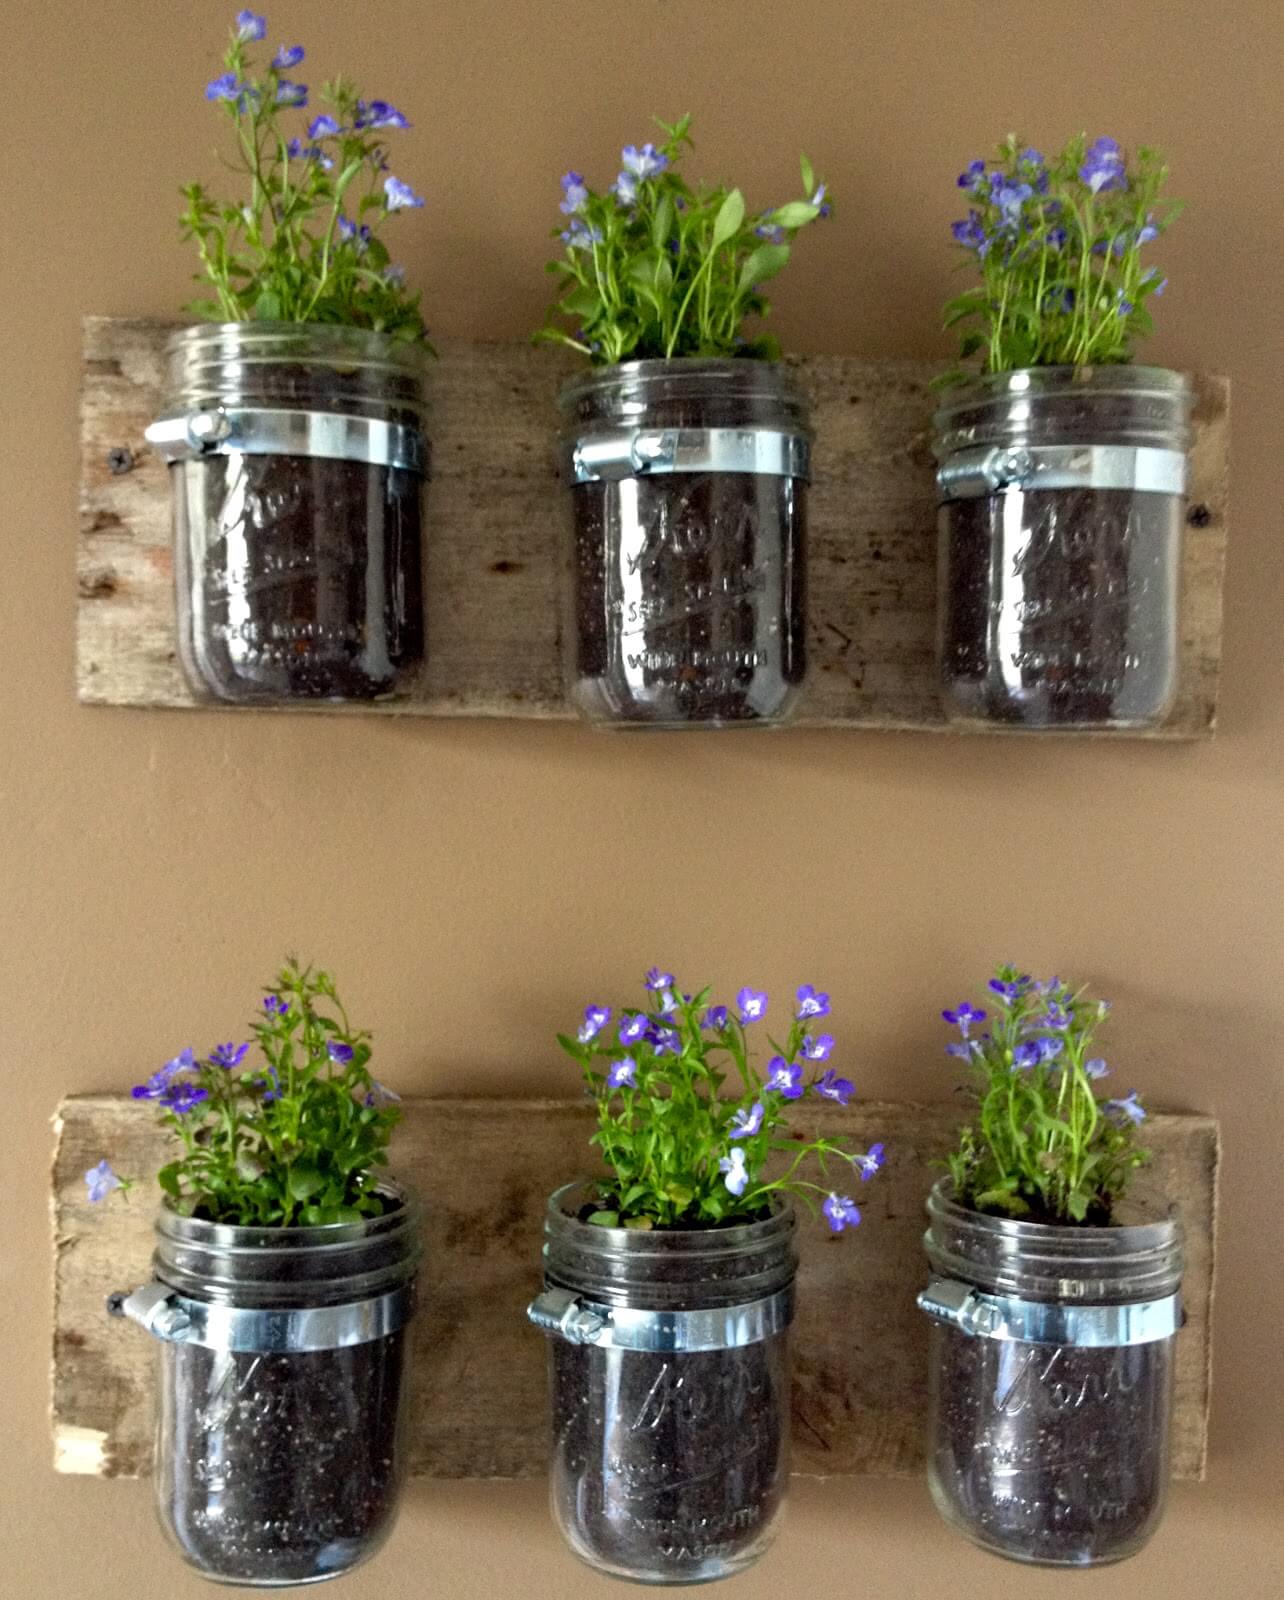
(297, 459)
(282, 1390)
(688, 491)
(1051, 1447)
(1060, 528)
(670, 1382)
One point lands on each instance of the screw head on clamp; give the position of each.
(205, 428)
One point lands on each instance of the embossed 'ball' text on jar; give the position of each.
(1062, 502)
(669, 1373)
(688, 483)
(282, 1356)
(1052, 1352)
(297, 459)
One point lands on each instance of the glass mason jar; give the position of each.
(297, 458)
(669, 1372)
(688, 490)
(282, 1365)
(1062, 502)
(1051, 1357)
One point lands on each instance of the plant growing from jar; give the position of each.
(686, 449)
(1062, 467)
(1055, 1295)
(283, 1291)
(668, 1288)
(293, 424)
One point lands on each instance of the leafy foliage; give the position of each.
(293, 1140)
(681, 1153)
(304, 247)
(1058, 245)
(1041, 1145)
(654, 268)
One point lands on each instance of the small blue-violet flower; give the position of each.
(963, 1016)
(753, 1005)
(841, 1212)
(100, 1181)
(574, 193)
(323, 127)
(831, 1087)
(1096, 1068)
(339, 1052)
(634, 1028)
(275, 1006)
(647, 162)
(811, 1003)
(1126, 1110)
(869, 1163)
(400, 196)
(818, 1048)
(226, 87)
(737, 1173)
(289, 55)
(595, 1019)
(1103, 166)
(623, 1074)
(250, 27)
(715, 1018)
(291, 94)
(784, 1079)
(228, 1055)
(746, 1123)
(380, 1095)
(656, 980)
(666, 1041)
(180, 1098)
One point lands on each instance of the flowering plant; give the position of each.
(655, 268)
(305, 246)
(291, 1141)
(1058, 245)
(1042, 1147)
(681, 1154)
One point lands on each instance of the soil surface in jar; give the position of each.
(1059, 606)
(281, 1468)
(305, 572)
(670, 1468)
(1048, 1454)
(689, 597)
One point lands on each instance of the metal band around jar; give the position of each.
(333, 435)
(568, 1316)
(994, 1316)
(176, 1319)
(1141, 469)
(646, 452)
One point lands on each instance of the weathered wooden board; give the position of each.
(497, 530)
(485, 1168)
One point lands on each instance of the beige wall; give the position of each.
(472, 884)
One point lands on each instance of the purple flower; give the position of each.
(1009, 195)
(574, 193)
(1008, 992)
(971, 234)
(772, 232)
(1124, 307)
(1031, 157)
(784, 1079)
(970, 178)
(1096, 1068)
(1026, 1055)
(160, 1080)
(715, 1018)
(579, 236)
(840, 1212)
(228, 1055)
(868, 1164)
(963, 1016)
(339, 1053)
(323, 127)
(291, 94)
(250, 27)
(819, 201)
(100, 1181)
(227, 87)
(1103, 166)
(737, 1174)
(378, 114)
(180, 1098)
(957, 1048)
(1126, 1110)
(1055, 1016)
(647, 162)
(666, 1041)
(656, 980)
(831, 1087)
(380, 1095)
(746, 1123)
(289, 55)
(595, 1019)
(1148, 280)
(623, 1073)
(817, 1049)
(811, 1003)
(275, 1006)
(395, 275)
(354, 235)
(668, 1003)
(1056, 240)
(271, 1086)
(753, 1005)
(634, 1028)
(625, 189)
(400, 196)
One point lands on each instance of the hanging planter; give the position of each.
(669, 1286)
(1055, 1299)
(294, 427)
(283, 1288)
(686, 453)
(1063, 470)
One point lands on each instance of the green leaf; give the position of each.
(662, 222)
(305, 1181)
(167, 1177)
(267, 307)
(731, 214)
(797, 214)
(808, 176)
(585, 303)
(604, 1219)
(763, 263)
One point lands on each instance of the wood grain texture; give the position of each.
(485, 1168)
(497, 530)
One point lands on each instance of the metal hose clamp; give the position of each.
(176, 1319)
(992, 1316)
(336, 436)
(1140, 469)
(648, 452)
(566, 1315)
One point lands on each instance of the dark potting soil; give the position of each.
(303, 573)
(670, 1468)
(1047, 1454)
(275, 1469)
(689, 598)
(1058, 606)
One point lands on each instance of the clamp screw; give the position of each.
(208, 427)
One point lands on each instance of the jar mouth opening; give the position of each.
(565, 1204)
(276, 342)
(1143, 1217)
(686, 377)
(406, 1212)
